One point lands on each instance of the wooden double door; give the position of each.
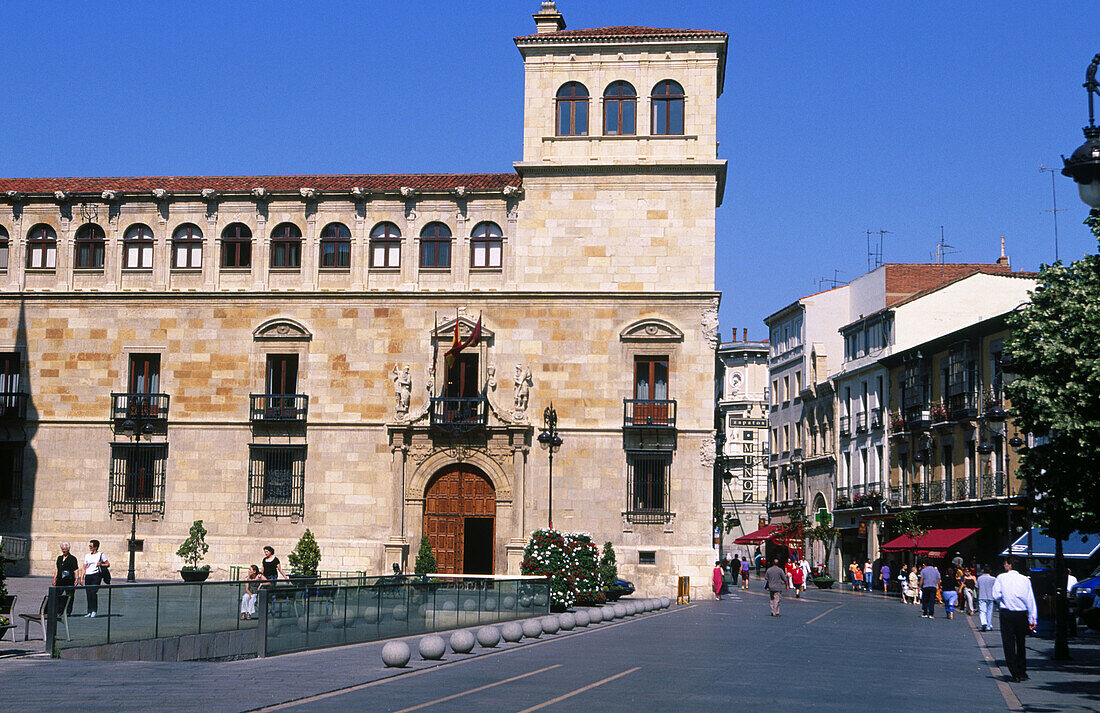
(459, 520)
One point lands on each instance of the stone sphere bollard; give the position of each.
(665, 602)
(422, 611)
(400, 612)
(462, 642)
(647, 605)
(432, 648)
(582, 618)
(512, 631)
(396, 654)
(595, 614)
(540, 600)
(631, 608)
(532, 628)
(469, 604)
(509, 602)
(370, 614)
(488, 636)
(449, 605)
(525, 601)
(550, 624)
(620, 611)
(567, 621)
(490, 604)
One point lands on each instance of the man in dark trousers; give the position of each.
(775, 581)
(65, 577)
(1012, 592)
(929, 585)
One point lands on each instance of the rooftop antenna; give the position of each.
(874, 250)
(832, 282)
(1055, 210)
(942, 249)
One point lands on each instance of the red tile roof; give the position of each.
(622, 32)
(905, 280)
(478, 182)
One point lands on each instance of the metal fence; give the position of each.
(291, 615)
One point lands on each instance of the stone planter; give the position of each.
(194, 575)
(823, 582)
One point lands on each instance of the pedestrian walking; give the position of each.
(94, 562)
(884, 574)
(805, 569)
(745, 567)
(735, 569)
(775, 581)
(717, 579)
(868, 576)
(798, 581)
(950, 586)
(272, 566)
(852, 573)
(857, 573)
(65, 577)
(985, 598)
(969, 584)
(251, 591)
(929, 585)
(1012, 592)
(914, 583)
(758, 560)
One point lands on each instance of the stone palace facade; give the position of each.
(267, 353)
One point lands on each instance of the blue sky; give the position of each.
(837, 118)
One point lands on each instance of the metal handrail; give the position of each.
(649, 413)
(278, 407)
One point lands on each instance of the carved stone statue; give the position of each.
(402, 390)
(523, 383)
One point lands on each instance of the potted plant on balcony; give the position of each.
(843, 502)
(939, 412)
(304, 559)
(193, 549)
(897, 423)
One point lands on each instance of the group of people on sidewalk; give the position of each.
(727, 573)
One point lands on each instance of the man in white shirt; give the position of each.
(985, 598)
(1013, 593)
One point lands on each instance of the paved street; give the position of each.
(686, 658)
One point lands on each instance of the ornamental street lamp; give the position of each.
(134, 426)
(1083, 166)
(551, 441)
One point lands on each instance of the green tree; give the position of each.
(306, 556)
(425, 560)
(609, 571)
(194, 548)
(1054, 350)
(912, 523)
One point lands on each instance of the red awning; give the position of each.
(933, 540)
(759, 537)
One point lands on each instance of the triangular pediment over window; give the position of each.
(651, 330)
(281, 328)
(445, 332)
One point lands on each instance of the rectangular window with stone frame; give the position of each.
(648, 484)
(276, 480)
(137, 478)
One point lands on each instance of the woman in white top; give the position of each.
(91, 575)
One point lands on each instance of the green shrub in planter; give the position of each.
(305, 556)
(547, 554)
(194, 548)
(425, 560)
(823, 582)
(609, 571)
(586, 562)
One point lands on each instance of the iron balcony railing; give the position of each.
(459, 414)
(994, 486)
(789, 504)
(648, 517)
(13, 406)
(278, 408)
(845, 426)
(876, 419)
(918, 417)
(649, 413)
(861, 422)
(963, 405)
(863, 495)
(135, 407)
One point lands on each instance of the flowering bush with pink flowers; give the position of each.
(571, 562)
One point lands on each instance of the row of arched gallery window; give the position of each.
(90, 244)
(620, 109)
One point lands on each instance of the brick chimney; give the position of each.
(548, 19)
(745, 338)
(1003, 259)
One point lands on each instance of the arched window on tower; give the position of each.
(668, 109)
(620, 108)
(90, 241)
(486, 245)
(572, 110)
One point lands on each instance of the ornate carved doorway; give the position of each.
(459, 515)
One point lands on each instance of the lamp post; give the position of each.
(135, 427)
(1083, 166)
(551, 441)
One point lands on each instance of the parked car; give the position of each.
(621, 588)
(1083, 592)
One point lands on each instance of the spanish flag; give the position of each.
(458, 344)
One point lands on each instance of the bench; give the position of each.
(42, 618)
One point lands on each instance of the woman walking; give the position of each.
(745, 567)
(950, 585)
(970, 584)
(718, 580)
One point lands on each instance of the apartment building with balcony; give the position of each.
(741, 422)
